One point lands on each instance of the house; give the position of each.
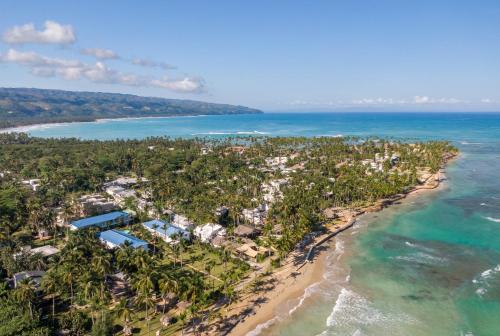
(102, 221)
(245, 231)
(116, 238)
(255, 216)
(208, 231)
(95, 204)
(34, 184)
(46, 251)
(35, 276)
(182, 222)
(250, 250)
(166, 231)
(119, 193)
(124, 181)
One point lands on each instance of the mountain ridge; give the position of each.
(26, 106)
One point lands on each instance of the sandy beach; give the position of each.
(259, 308)
(288, 284)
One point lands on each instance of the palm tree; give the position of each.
(101, 263)
(145, 299)
(68, 278)
(155, 226)
(25, 293)
(51, 285)
(167, 286)
(124, 312)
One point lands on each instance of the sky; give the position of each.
(336, 55)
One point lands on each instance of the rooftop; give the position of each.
(46, 250)
(163, 228)
(89, 221)
(118, 238)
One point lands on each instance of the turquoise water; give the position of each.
(430, 266)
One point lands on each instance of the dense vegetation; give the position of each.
(192, 177)
(20, 106)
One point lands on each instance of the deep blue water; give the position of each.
(454, 126)
(427, 267)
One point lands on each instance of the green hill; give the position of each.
(23, 106)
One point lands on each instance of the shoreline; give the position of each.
(26, 127)
(292, 285)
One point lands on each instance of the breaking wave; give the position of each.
(483, 279)
(258, 329)
(307, 293)
(423, 258)
(352, 309)
(232, 133)
(493, 219)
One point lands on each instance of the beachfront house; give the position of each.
(166, 231)
(102, 221)
(116, 238)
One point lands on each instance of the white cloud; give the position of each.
(101, 54)
(186, 84)
(152, 64)
(421, 99)
(30, 58)
(99, 72)
(53, 33)
(486, 101)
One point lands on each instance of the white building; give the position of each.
(255, 216)
(209, 231)
(119, 193)
(272, 190)
(182, 222)
(34, 184)
(95, 204)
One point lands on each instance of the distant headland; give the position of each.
(27, 106)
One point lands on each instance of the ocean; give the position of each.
(429, 266)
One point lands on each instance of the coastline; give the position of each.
(27, 127)
(292, 282)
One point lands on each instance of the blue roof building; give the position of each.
(102, 221)
(116, 238)
(165, 230)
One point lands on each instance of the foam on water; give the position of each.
(307, 293)
(232, 133)
(351, 307)
(492, 219)
(422, 258)
(483, 280)
(261, 327)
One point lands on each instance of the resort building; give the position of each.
(166, 231)
(119, 193)
(102, 221)
(125, 181)
(116, 238)
(209, 231)
(255, 216)
(95, 204)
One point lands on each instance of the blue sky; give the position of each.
(363, 55)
